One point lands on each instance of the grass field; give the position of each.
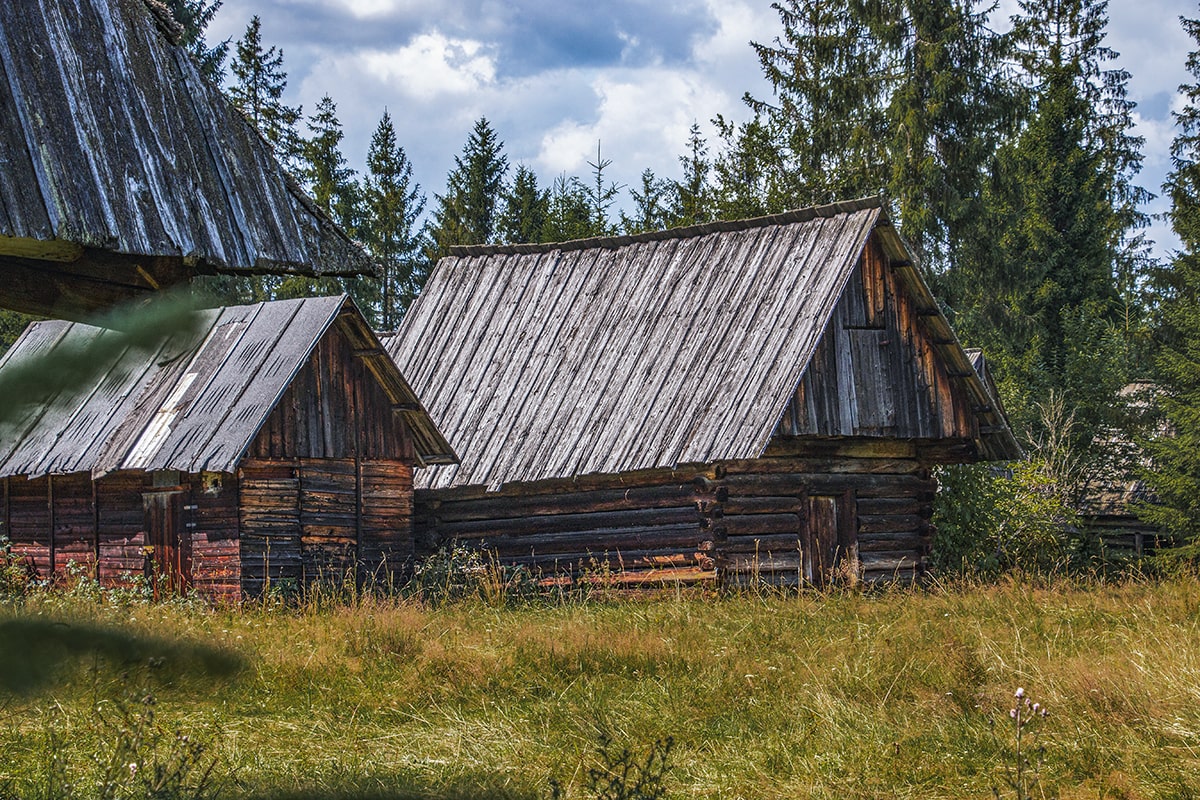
(903, 694)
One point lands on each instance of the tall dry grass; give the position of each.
(901, 694)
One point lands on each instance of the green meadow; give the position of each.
(895, 694)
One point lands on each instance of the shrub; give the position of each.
(990, 520)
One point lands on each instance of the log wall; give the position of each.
(306, 521)
(635, 526)
(101, 527)
(325, 493)
(834, 510)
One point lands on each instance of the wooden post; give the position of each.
(50, 508)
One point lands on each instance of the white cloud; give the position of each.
(370, 8)
(642, 119)
(429, 66)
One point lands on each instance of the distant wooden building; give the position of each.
(275, 444)
(739, 400)
(1108, 507)
(124, 172)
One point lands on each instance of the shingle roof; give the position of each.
(111, 140)
(612, 355)
(188, 405)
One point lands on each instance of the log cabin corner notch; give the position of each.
(275, 445)
(762, 398)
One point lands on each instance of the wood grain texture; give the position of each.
(691, 346)
(113, 141)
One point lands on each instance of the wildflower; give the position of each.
(1019, 693)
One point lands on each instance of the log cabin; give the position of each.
(271, 445)
(738, 401)
(125, 172)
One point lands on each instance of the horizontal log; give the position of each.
(894, 505)
(619, 499)
(743, 504)
(864, 485)
(760, 524)
(596, 541)
(773, 543)
(551, 523)
(887, 523)
(827, 447)
(913, 543)
(881, 562)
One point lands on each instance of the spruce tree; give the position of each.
(393, 205)
(650, 205)
(469, 211)
(336, 191)
(328, 178)
(827, 116)
(194, 16)
(746, 171)
(257, 91)
(568, 211)
(1175, 454)
(525, 206)
(600, 196)
(1063, 206)
(692, 201)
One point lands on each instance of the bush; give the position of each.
(992, 520)
(459, 572)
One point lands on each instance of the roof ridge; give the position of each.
(684, 232)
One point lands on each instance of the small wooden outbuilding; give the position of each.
(125, 172)
(740, 400)
(274, 444)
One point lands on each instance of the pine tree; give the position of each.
(393, 205)
(469, 211)
(525, 206)
(194, 16)
(1175, 455)
(257, 91)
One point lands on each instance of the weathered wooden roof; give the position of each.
(189, 405)
(683, 346)
(112, 143)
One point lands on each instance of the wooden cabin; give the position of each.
(272, 445)
(125, 172)
(1109, 501)
(736, 401)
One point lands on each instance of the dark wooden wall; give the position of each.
(305, 521)
(874, 372)
(834, 510)
(101, 526)
(334, 408)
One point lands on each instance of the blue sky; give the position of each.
(556, 76)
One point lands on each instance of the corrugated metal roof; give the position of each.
(188, 405)
(649, 351)
(112, 140)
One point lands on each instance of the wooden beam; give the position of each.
(44, 250)
(82, 288)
